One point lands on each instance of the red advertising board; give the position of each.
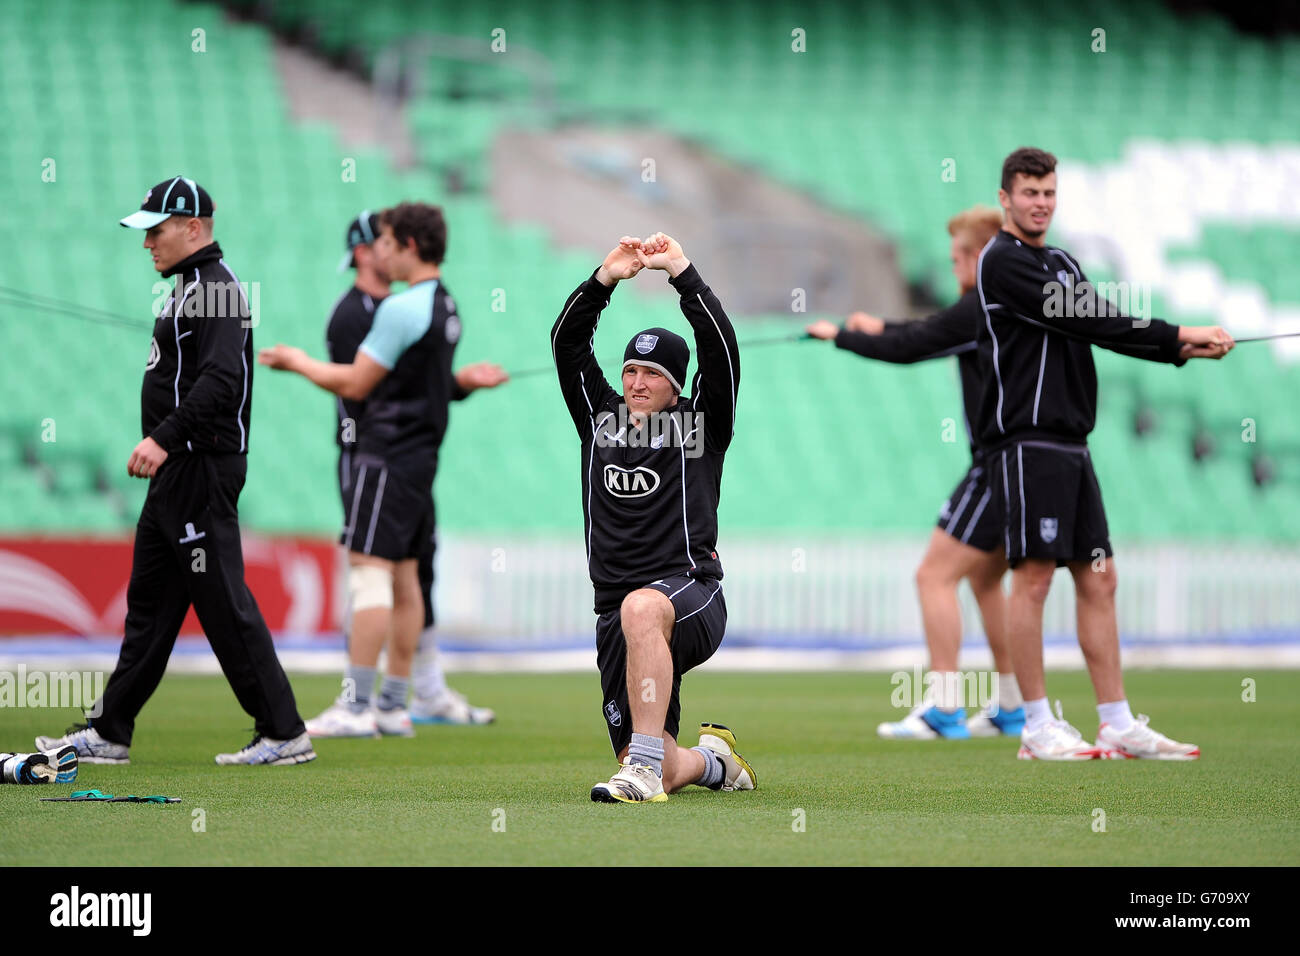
(77, 586)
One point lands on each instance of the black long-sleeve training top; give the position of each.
(649, 495)
(950, 331)
(1035, 352)
(198, 382)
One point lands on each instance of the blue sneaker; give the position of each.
(992, 721)
(927, 723)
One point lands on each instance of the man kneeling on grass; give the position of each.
(652, 474)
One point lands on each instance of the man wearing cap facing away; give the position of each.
(651, 478)
(198, 389)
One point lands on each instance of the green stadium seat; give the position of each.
(851, 122)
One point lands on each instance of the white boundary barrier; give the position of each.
(806, 602)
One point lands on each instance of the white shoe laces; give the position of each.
(1062, 730)
(1141, 730)
(639, 773)
(1065, 732)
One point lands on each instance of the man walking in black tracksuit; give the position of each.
(195, 401)
(651, 479)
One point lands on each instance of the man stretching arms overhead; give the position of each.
(651, 478)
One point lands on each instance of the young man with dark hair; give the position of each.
(350, 321)
(402, 371)
(967, 543)
(651, 479)
(1040, 319)
(421, 224)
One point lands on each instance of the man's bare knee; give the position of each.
(945, 563)
(1094, 585)
(932, 574)
(1033, 580)
(406, 583)
(645, 609)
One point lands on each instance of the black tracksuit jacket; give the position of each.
(198, 382)
(1039, 380)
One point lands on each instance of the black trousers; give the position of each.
(188, 551)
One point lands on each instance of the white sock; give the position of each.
(1037, 713)
(1117, 714)
(426, 671)
(943, 690)
(1009, 692)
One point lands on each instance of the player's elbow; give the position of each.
(353, 390)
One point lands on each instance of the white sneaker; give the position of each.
(1055, 740)
(264, 750)
(634, 783)
(89, 746)
(449, 707)
(1140, 742)
(911, 727)
(395, 722)
(738, 775)
(338, 720)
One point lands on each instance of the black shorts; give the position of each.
(385, 514)
(430, 546)
(701, 620)
(1052, 502)
(973, 514)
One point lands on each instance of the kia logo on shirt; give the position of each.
(637, 483)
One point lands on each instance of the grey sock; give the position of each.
(362, 684)
(649, 751)
(392, 692)
(714, 771)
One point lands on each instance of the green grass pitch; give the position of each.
(811, 738)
